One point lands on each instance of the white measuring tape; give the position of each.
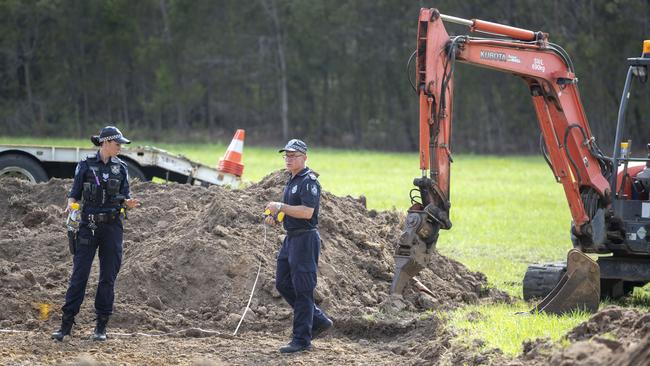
(254, 284)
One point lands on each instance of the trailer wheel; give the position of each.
(136, 173)
(22, 167)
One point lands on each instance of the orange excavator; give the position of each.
(608, 196)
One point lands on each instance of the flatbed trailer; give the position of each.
(40, 163)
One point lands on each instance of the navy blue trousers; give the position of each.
(295, 280)
(108, 239)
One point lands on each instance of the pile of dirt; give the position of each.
(612, 336)
(191, 255)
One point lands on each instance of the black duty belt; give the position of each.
(105, 217)
(300, 231)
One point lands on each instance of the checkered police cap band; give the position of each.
(108, 138)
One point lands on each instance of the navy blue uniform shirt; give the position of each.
(302, 190)
(82, 174)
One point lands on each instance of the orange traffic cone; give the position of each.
(231, 163)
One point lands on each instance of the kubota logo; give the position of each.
(491, 55)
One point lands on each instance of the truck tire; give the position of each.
(135, 172)
(540, 279)
(22, 167)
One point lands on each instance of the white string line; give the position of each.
(254, 284)
(187, 330)
(15, 331)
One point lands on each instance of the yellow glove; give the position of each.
(278, 218)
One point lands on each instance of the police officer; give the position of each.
(297, 262)
(101, 184)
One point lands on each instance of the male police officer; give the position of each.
(297, 263)
(101, 183)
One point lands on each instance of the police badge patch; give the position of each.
(314, 190)
(115, 169)
(294, 189)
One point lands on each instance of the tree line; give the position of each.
(332, 72)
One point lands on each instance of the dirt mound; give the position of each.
(191, 255)
(190, 259)
(612, 336)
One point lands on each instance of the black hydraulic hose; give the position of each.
(415, 197)
(408, 73)
(450, 64)
(566, 151)
(446, 78)
(620, 124)
(605, 162)
(542, 149)
(564, 54)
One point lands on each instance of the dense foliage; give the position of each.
(332, 72)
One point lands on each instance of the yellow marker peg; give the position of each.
(43, 311)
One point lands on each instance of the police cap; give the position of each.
(109, 133)
(295, 145)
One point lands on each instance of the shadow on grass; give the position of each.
(640, 298)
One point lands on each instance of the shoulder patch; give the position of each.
(121, 162)
(314, 190)
(312, 176)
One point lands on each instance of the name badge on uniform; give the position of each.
(115, 169)
(294, 189)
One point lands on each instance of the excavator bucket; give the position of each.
(578, 289)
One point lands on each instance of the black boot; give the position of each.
(66, 326)
(317, 332)
(295, 347)
(100, 328)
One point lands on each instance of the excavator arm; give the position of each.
(569, 146)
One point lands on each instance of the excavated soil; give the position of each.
(613, 336)
(191, 255)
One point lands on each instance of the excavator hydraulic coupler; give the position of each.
(578, 289)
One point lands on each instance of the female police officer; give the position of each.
(297, 262)
(101, 183)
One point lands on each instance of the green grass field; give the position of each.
(507, 212)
